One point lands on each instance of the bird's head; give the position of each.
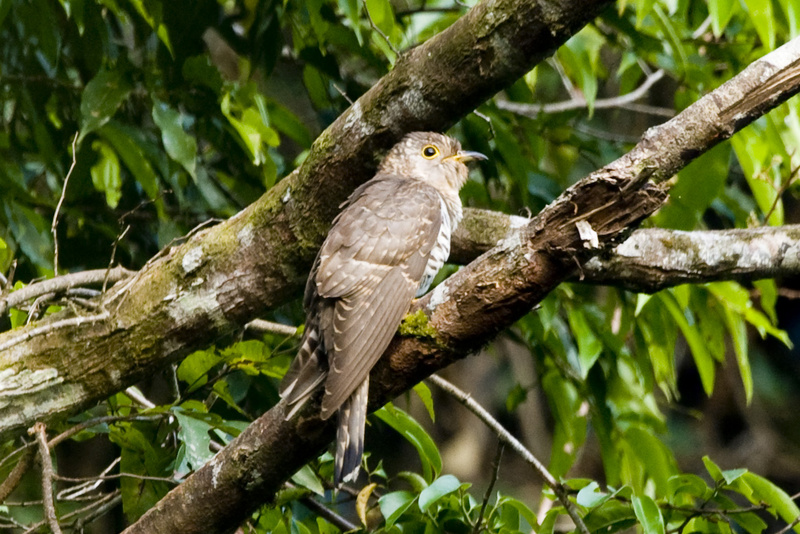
(430, 157)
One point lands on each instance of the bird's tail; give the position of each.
(350, 435)
(307, 371)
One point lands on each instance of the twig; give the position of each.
(486, 496)
(779, 193)
(579, 101)
(329, 515)
(47, 328)
(60, 202)
(790, 526)
(506, 437)
(380, 32)
(99, 421)
(341, 92)
(39, 431)
(261, 326)
(113, 255)
(111, 500)
(12, 480)
(62, 283)
(137, 396)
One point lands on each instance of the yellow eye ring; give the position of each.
(429, 151)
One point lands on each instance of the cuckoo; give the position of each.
(383, 249)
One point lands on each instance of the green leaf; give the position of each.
(140, 455)
(589, 345)
(307, 478)
(100, 99)
(591, 496)
(648, 514)
(515, 397)
(688, 484)
(764, 20)
(570, 428)
(755, 152)
(194, 368)
(731, 475)
(416, 435)
(440, 487)
(738, 332)
(713, 469)
(394, 504)
(702, 358)
(132, 156)
(654, 456)
(352, 11)
(612, 516)
(106, 175)
(180, 146)
(424, 393)
(698, 185)
(193, 433)
(382, 15)
(151, 13)
(721, 12)
(779, 501)
(31, 232)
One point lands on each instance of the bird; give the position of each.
(383, 250)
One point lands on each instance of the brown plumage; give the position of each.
(384, 248)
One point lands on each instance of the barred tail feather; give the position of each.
(350, 435)
(306, 373)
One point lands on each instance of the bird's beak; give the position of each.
(468, 155)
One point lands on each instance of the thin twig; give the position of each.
(113, 255)
(138, 397)
(329, 515)
(51, 327)
(486, 496)
(790, 526)
(380, 32)
(341, 92)
(506, 437)
(781, 190)
(99, 421)
(579, 101)
(62, 283)
(60, 202)
(111, 500)
(15, 476)
(40, 432)
(260, 326)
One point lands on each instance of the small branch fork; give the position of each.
(505, 436)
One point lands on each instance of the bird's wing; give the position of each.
(368, 270)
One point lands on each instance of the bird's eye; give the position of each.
(430, 152)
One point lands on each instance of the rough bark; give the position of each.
(653, 259)
(236, 271)
(468, 308)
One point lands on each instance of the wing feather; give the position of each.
(368, 272)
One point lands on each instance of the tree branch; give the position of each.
(653, 259)
(579, 102)
(488, 295)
